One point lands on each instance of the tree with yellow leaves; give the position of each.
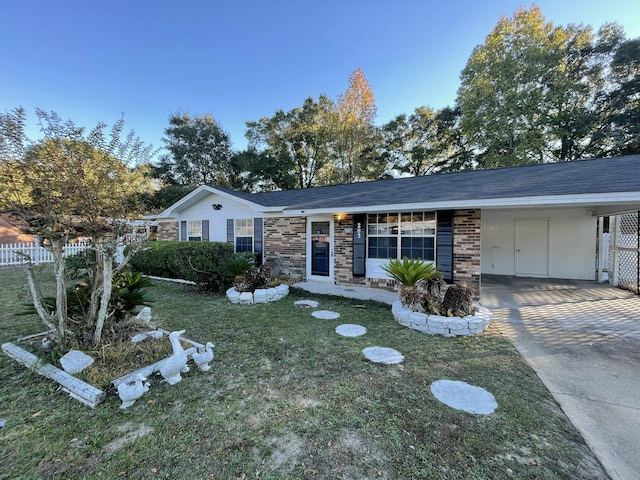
(354, 133)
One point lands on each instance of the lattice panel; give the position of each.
(628, 236)
(628, 270)
(628, 252)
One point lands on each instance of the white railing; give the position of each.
(17, 253)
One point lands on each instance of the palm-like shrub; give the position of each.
(420, 283)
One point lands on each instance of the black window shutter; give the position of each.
(205, 230)
(183, 231)
(359, 245)
(257, 239)
(230, 230)
(444, 243)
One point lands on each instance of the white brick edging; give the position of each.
(439, 325)
(261, 295)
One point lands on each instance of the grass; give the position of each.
(287, 398)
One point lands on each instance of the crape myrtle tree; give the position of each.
(68, 182)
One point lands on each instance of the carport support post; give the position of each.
(602, 255)
(616, 251)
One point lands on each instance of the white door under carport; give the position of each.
(532, 247)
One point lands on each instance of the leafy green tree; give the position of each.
(534, 92)
(501, 97)
(459, 154)
(295, 144)
(157, 200)
(413, 144)
(619, 133)
(200, 150)
(570, 90)
(260, 171)
(72, 181)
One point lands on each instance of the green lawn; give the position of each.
(288, 398)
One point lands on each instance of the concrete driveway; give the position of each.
(583, 340)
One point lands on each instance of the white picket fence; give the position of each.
(17, 253)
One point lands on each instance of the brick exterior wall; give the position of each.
(466, 249)
(343, 251)
(285, 245)
(168, 231)
(285, 250)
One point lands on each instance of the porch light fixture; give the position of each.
(217, 206)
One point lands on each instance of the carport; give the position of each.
(583, 340)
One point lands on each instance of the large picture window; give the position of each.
(244, 235)
(398, 235)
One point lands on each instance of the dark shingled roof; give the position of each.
(579, 177)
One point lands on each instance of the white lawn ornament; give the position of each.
(132, 390)
(172, 366)
(203, 357)
(144, 315)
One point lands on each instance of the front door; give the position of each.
(320, 248)
(532, 247)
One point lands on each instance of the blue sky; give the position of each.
(243, 60)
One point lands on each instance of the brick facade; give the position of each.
(167, 230)
(343, 251)
(466, 253)
(285, 245)
(466, 249)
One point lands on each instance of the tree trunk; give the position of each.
(458, 302)
(107, 284)
(38, 302)
(96, 277)
(57, 248)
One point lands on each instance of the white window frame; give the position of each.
(193, 227)
(243, 225)
(374, 265)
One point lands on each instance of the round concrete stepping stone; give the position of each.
(325, 314)
(350, 330)
(383, 355)
(462, 396)
(306, 304)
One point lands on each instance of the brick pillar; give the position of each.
(343, 250)
(466, 249)
(285, 245)
(168, 231)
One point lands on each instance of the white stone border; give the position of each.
(261, 295)
(439, 325)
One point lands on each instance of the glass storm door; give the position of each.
(320, 248)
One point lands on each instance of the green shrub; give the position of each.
(199, 262)
(127, 293)
(76, 265)
(239, 264)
